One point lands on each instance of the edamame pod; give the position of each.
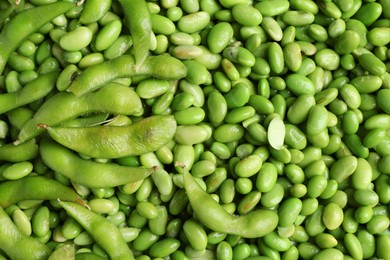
(114, 98)
(26, 23)
(139, 22)
(94, 77)
(28, 247)
(87, 172)
(37, 188)
(144, 136)
(18, 153)
(254, 224)
(106, 234)
(31, 92)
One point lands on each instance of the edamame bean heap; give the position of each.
(194, 129)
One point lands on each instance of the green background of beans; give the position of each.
(194, 129)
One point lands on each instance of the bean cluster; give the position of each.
(194, 129)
